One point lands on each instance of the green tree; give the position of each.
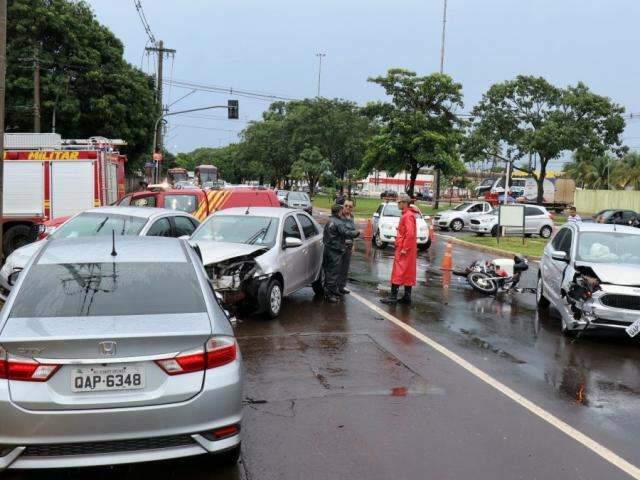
(84, 78)
(626, 172)
(592, 171)
(310, 166)
(528, 115)
(419, 128)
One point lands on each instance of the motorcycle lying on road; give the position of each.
(500, 274)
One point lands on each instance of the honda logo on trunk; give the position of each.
(108, 349)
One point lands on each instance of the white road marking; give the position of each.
(564, 427)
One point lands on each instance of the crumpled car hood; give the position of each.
(215, 252)
(615, 274)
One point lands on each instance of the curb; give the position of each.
(483, 248)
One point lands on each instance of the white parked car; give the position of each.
(259, 255)
(537, 221)
(459, 217)
(385, 225)
(590, 273)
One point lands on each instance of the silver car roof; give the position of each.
(276, 212)
(604, 227)
(141, 212)
(98, 250)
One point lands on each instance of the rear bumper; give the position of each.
(219, 404)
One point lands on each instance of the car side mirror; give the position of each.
(376, 215)
(560, 256)
(292, 242)
(13, 277)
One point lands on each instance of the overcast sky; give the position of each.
(270, 46)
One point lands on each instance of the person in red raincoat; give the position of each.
(404, 261)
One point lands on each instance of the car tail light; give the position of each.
(218, 351)
(222, 432)
(24, 370)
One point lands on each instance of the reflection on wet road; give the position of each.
(337, 391)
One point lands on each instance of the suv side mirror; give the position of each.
(560, 256)
(292, 242)
(376, 215)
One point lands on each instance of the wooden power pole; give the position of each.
(36, 90)
(3, 69)
(161, 51)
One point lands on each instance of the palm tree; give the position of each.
(627, 172)
(592, 172)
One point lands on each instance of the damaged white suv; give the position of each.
(590, 273)
(255, 256)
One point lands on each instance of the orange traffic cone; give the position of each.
(368, 231)
(447, 260)
(431, 233)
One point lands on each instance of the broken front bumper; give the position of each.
(613, 306)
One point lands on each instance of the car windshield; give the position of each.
(462, 206)
(239, 229)
(391, 210)
(487, 182)
(99, 224)
(184, 203)
(609, 247)
(105, 289)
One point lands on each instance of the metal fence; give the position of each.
(592, 201)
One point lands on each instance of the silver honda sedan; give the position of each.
(115, 350)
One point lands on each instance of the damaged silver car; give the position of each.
(256, 256)
(590, 273)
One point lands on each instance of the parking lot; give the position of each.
(341, 390)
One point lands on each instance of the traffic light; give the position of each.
(232, 109)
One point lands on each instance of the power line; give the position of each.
(230, 90)
(143, 20)
(176, 125)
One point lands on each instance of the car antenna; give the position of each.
(113, 243)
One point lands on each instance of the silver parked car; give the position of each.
(141, 221)
(590, 273)
(259, 255)
(116, 353)
(299, 200)
(537, 221)
(459, 217)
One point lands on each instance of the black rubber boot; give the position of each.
(392, 299)
(406, 298)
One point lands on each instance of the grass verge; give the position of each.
(366, 206)
(532, 246)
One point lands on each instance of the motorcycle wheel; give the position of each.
(482, 283)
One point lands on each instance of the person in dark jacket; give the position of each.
(347, 218)
(334, 237)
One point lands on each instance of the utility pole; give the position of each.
(3, 69)
(36, 90)
(436, 203)
(161, 51)
(320, 56)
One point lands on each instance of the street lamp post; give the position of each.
(232, 115)
(320, 57)
(444, 26)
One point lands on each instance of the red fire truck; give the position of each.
(46, 177)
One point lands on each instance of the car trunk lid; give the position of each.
(101, 346)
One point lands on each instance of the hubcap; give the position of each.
(457, 225)
(276, 299)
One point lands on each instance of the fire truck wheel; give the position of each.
(16, 237)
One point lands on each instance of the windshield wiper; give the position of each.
(254, 238)
(102, 224)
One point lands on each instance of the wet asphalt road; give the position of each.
(338, 391)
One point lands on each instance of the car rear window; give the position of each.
(108, 289)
